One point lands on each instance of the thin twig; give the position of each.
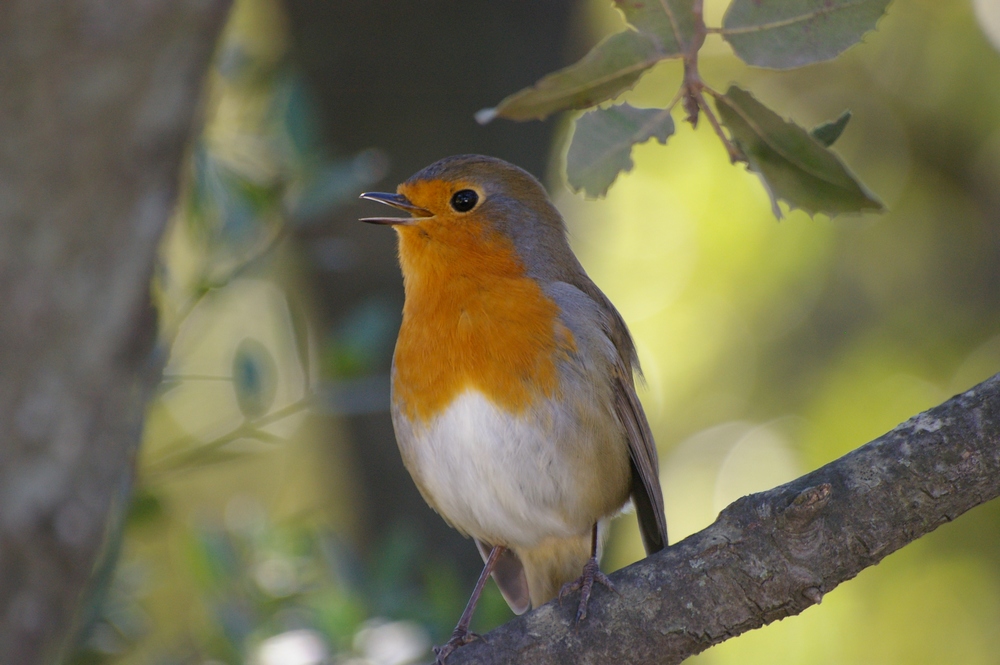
(180, 452)
(206, 286)
(195, 377)
(735, 154)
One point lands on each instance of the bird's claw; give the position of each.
(459, 638)
(585, 584)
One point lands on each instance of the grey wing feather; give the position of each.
(646, 493)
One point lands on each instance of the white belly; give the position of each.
(513, 480)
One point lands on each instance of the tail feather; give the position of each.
(553, 563)
(509, 575)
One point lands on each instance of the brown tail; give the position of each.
(552, 564)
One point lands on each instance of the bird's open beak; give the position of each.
(396, 201)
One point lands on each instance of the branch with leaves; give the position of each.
(771, 555)
(795, 166)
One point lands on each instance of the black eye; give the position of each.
(464, 200)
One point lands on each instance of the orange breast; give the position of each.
(472, 319)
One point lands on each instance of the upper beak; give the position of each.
(396, 201)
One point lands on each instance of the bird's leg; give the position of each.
(461, 635)
(585, 583)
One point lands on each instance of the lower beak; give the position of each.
(396, 201)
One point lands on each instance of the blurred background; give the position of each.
(273, 522)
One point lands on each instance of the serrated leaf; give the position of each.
(783, 34)
(603, 140)
(660, 29)
(793, 165)
(255, 378)
(829, 132)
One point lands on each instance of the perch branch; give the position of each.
(773, 554)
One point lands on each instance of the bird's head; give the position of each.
(477, 204)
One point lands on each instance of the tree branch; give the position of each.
(773, 554)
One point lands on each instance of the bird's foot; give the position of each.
(585, 583)
(459, 638)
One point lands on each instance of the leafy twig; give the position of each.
(180, 453)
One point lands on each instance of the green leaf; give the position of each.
(612, 67)
(793, 165)
(829, 132)
(603, 140)
(783, 34)
(660, 29)
(672, 22)
(255, 378)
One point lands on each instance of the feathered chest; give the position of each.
(473, 319)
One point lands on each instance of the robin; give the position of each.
(513, 397)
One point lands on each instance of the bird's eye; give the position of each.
(464, 200)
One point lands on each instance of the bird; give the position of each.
(513, 393)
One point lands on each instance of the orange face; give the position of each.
(450, 241)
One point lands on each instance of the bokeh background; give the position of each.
(273, 523)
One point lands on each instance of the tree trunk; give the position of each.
(98, 102)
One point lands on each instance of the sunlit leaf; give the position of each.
(794, 166)
(603, 140)
(255, 378)
(783, 34)
(829, 132)
(661, 29)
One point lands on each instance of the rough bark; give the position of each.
(97, 103)
(773, 554)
